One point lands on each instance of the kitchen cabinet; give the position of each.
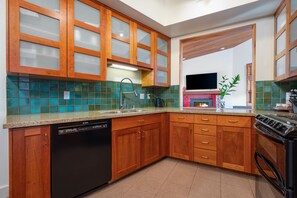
(136, 143)
(29, 162)
(234, 143)
(86, 40)
(37, 37)
(286, 41)
(181, 136)
(160, 76)
(120, 35)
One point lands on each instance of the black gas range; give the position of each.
(276, 156)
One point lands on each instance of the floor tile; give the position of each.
(239, 191)
(176, 190)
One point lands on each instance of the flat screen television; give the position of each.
(201, 81)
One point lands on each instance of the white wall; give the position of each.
(228, 62)
(3, 133)
(242, 55)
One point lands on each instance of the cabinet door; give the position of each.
(144, 46)
(181, 140)
(30, 162)
(150, 143)
(234, 148)
(293, 39)
(120, 38)
(163, 61)
(86, 40)
(125, 151)
(37, 39)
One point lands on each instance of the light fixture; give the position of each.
(222, 48)
(123, 67)
(121, 34)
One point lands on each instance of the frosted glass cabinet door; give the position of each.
(86, 14)
(86, 39)
(143, 37)
(86, 64)
(120, 49)
(281, 43)
(39, 56)
(162, 45)
(281, 20)
(293, 59)
(281, 66)
(293, 6)
(162, 76)
(39, 25)
(120, 28)
(53, 5)
(293, 31)
(162, 61)
(143, 56)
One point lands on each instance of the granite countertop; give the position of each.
(16, 121)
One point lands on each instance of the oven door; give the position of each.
(270, 162)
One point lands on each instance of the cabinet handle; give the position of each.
(46, 139)
(204, 157)
(205, 130)
(180, 117)
(232, 121)
(140, 121)
(204, 119)
(204, 142)
(139, 135)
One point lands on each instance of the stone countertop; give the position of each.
(17, 121)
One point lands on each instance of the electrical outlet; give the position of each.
(66, 95)
(141, 96)
(148, 96)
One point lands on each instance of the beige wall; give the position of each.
(264, 48)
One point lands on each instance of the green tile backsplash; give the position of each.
(27, 95)
(269, 93)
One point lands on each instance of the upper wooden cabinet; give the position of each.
(86, 40)
(37, 37)
(120, 36)
(286, 41)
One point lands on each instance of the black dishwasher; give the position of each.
(80, 157)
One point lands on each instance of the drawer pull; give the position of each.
(140, 121)
(204, 142)
(232, 121)
(205, 130)
(181, 117)
(204, 119)
(204, 157)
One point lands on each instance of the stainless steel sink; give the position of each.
(123, 111)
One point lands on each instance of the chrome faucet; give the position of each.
(121, 92)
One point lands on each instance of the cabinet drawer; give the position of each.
(235, 121)
(128, 122)
(205, 156)
(181, 117)
(205, 119)
(205, 129)
(205, 142)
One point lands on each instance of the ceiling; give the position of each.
(180, 17)
(206, 44)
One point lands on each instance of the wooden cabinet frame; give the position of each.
(290, 19)
(72, 22)
(15, 36)
(111, 36)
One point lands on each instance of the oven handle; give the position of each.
(279, 184)
(267, 134)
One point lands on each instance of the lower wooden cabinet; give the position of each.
(234, 148)
(133, 148)
(181, 140)
(30, 162)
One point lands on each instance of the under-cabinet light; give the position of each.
(123, 67)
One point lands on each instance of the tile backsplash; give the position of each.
(26, 95)
(269, 93)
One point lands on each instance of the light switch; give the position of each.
(141, 96)
(148, 96)
(66, 95)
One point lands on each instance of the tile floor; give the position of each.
(171, 178)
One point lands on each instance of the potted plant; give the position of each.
(226, 88)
